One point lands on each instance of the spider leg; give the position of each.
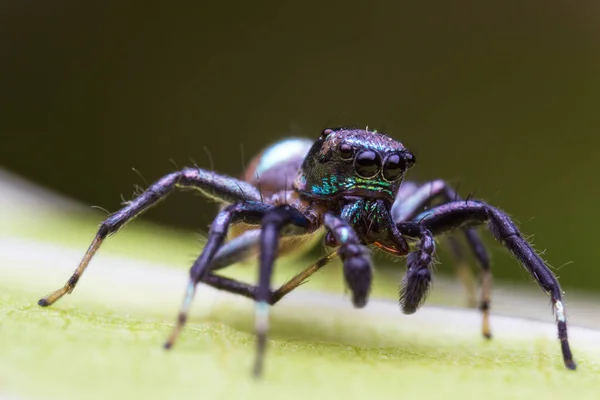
(414, 199)
(460, 213)
(215, 255)
(238, 249)
(356, 258)
(249, 212)
(301, 277)
(272, 224)
(213, 185)
(247, 290)
(462, 269)
(417, 280)
(243, 247)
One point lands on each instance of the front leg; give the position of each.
(462, 213)
(414, 199)
(417, 279)
(356, 258)
(411, 199)
(219, 187)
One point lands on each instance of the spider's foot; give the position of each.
(181, 320)
(258, 366)
(486, 331)
(485, 313)
(567, 355)
(43, 302)
(53, 297)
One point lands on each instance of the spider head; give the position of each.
(354, 162)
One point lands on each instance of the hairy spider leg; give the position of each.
(237, 249)
(356, 258)
(417, 280)
(413, 200)
(451, 215)
(211, 184)
(248, 290)
(240, 248)
(272, 224)
(250, 212)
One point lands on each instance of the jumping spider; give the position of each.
(345, 185)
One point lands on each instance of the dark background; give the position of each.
(502, 98)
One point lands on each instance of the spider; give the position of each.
(344, 187)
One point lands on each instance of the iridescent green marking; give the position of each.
(334, 184)
(363, 209)
(353, 212)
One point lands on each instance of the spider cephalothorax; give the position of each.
(346, 185)
(353, 162)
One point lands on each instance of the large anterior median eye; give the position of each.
(367, 164)
(393, 167)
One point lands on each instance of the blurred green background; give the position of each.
(500, 97)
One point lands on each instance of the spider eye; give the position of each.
(326, 132)
(367, 164)
(393, 167)
(346, 151)
(409, 159)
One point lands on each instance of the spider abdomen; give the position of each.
(275, 168)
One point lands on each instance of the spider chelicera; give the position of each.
(345, 186)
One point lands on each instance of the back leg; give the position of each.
(413, 199)
(462, 269)
(213, 185)
(452, 215)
